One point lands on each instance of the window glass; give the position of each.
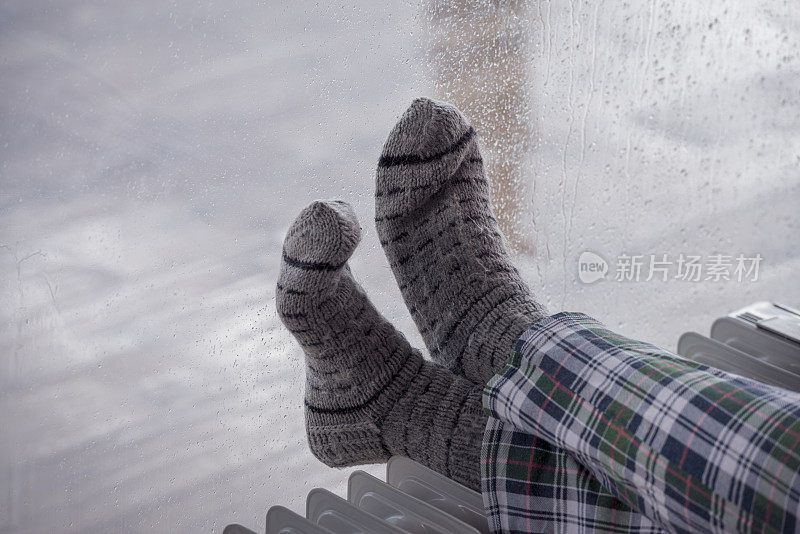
(152, 155)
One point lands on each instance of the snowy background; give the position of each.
(152, 155)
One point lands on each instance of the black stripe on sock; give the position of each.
(290, 291)
(404, 259)
(400, 189)
(373, 397)
(444, 207)
(310, 265)
(403, 235)
(328, 387)
(414, 159)
(398, 237)
(425, 268)
(433, 291)
(389, 217)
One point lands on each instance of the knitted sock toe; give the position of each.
(435, 222)
(369, 395)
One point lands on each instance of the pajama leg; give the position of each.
(530, 485)
(693, 448)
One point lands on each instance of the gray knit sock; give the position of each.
(369, 395)
(436, 226)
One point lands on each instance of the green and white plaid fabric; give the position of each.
(692, 448)
(529, 485)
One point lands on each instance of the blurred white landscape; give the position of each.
(152, 156)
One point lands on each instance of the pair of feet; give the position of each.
(369, 394)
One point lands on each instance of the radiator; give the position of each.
(760, 341)
(412, 499)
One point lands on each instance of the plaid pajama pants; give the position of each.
(591, 431)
